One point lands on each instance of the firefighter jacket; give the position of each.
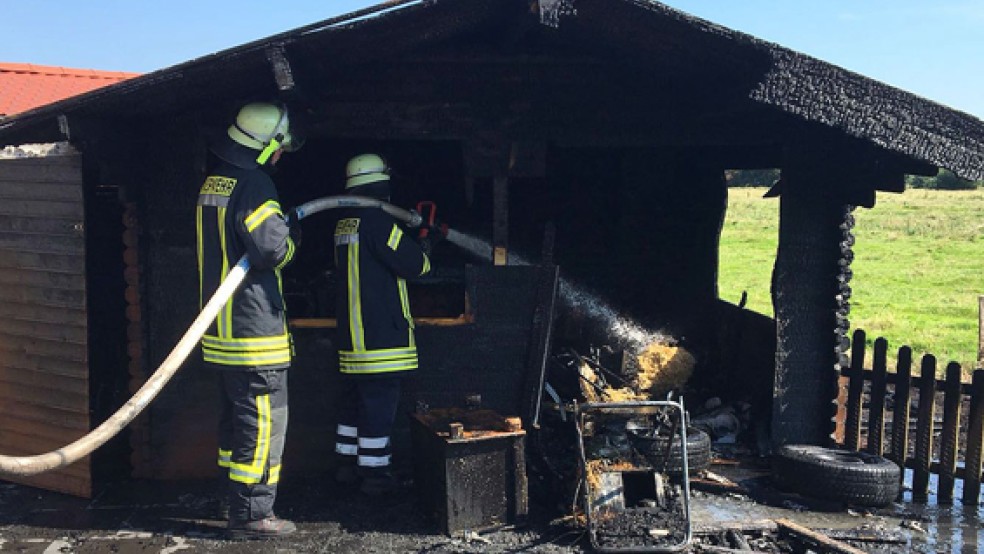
(374, 258)
(238, 213)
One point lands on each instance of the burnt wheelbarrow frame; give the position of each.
(633, 408)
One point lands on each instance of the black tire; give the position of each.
(842, 475)
(698, 452)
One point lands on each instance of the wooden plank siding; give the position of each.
(44, 381)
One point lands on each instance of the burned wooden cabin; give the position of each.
(609, 122)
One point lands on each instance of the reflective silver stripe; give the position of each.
(382, 354)
(374, 461)
(245, 476)
(247, 343)
(347, 431)
(379, 442)
(225, 457)
(346, 449)
(409, 364)
(246, 358)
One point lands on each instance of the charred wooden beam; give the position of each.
(823, 541)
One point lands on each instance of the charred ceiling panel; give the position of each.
(44, 374)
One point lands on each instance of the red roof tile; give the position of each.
(25, 86)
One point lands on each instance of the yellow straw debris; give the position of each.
(663, 368)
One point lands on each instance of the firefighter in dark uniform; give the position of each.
(374, 256)
(238, 213)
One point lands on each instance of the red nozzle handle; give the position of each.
(428, 211)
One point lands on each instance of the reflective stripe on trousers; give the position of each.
(368, 409)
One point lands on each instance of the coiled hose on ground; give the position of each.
(32, 465)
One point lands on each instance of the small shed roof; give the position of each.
(621, 67)
(27, 86)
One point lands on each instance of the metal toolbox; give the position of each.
(470, 469)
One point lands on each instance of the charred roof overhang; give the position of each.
(612, 72)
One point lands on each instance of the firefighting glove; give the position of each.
(294, 227)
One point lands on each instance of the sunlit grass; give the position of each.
(918, 267)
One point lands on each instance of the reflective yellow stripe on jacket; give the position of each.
(246, 351)
(378, 361)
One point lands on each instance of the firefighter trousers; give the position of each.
(367, 410)
(252, 429)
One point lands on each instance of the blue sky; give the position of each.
(933, 48)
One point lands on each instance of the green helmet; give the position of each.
(364, 169)
(264, 127)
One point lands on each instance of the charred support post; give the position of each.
(500, 220)
(489, 157)
(812, 211)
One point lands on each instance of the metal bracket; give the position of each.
(281, 67)
(551, 10)
(63, 127)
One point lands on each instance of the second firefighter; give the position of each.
(376, 347)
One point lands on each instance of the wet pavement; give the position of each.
(917, 527)
(169, 517)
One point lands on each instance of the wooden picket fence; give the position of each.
(914, 398)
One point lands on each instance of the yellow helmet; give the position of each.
(364, 169)
(264, 127)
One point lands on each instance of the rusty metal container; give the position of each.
(470, 469)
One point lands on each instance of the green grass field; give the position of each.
(918, 267)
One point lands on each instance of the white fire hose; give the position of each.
(71, 453)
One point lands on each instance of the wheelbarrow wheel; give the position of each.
(856, 478)
(698, 452)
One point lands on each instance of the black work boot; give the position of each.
(377, 481)
(266, 528)
(222, 507)
(346, 470)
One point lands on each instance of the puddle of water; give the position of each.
(949, 528)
